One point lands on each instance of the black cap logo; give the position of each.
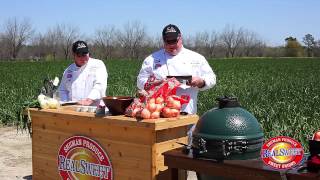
(171, 32)
(80, 47)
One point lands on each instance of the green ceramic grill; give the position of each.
(227, 132)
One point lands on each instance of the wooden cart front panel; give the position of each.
(129, 148)
(134, 148)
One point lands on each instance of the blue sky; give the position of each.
(273, 20)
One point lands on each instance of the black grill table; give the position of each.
(234, 169)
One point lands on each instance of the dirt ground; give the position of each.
(16, 155)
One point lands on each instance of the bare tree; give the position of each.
(231, 39)
(40, 48)
(188, 41)
(132, 39)
(68, 34)
(151, 44)
(157, 42)
(317, 48)
(16, 34)
(3, 48)
(251, 43)
(105, 41)
(212, 45)
(52, 41)
(201, 42)
(59, 39)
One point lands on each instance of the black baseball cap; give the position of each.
(170, 33)
(80, 47)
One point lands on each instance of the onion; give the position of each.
(175, 112)
(176, 105)
(152, 100)
(169, 99)
(145, 113)
(155, 115)
(134, 112)
(159, 100)
(151, 106)
(316, 136)
(41, 97)
(166, 112)
(159, 107)
(44, 104)
(53, 103)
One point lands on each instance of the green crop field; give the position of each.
(283, 94)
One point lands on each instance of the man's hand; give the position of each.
(197, 82)
(85, 102)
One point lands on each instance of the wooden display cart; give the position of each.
(134, 148)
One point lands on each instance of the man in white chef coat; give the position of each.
(175, 60)
(85, 80)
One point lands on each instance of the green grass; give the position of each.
(283, 94)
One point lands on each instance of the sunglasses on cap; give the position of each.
(172, 41)
(81, 54)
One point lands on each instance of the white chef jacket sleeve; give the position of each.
(100, 85)
(63, 92)
(207, 75)
(145, 72)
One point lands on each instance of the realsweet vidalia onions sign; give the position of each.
(82, 158)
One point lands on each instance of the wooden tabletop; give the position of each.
(157, 124)
(235, 169)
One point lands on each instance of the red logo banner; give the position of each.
(282, 152)
(82, 158)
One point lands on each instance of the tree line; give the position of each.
(19, 41)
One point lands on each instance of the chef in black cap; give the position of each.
(175, 60)
(85, 80)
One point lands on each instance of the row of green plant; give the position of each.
(283, 94)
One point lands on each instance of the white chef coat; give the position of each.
(186, 62)
(87, 81)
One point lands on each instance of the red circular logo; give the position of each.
(281, 152)
(82, 158)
